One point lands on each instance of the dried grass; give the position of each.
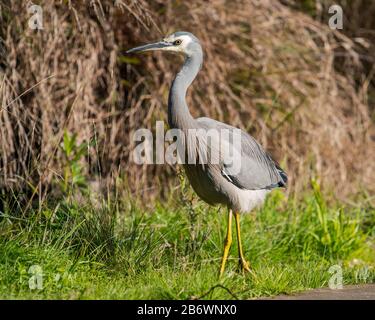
(268, 69)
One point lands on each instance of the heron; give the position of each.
(217, 183)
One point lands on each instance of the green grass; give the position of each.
(119, 251)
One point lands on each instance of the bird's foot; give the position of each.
(244, 265)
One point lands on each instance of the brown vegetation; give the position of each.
(299, 87)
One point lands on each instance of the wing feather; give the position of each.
(257, 171)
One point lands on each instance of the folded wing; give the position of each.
(257, 169)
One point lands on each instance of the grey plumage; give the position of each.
(218, 180)
(258, 169)
(216, 183)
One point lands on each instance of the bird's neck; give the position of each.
(178, 112)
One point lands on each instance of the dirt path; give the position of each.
(355, 292)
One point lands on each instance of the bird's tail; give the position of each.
(284, 178)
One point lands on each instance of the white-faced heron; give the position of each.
(216, 182)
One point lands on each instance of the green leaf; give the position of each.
(129, 60)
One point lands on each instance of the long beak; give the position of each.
(151, 46)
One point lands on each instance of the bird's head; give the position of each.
(180, 42)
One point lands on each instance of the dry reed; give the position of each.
(269, 69)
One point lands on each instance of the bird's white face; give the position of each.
(178, 44)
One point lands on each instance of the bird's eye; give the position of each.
(177, 42)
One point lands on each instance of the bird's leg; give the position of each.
(243, 264)
(228, 243)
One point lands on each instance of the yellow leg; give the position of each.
(243, 264)
(228, 243)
